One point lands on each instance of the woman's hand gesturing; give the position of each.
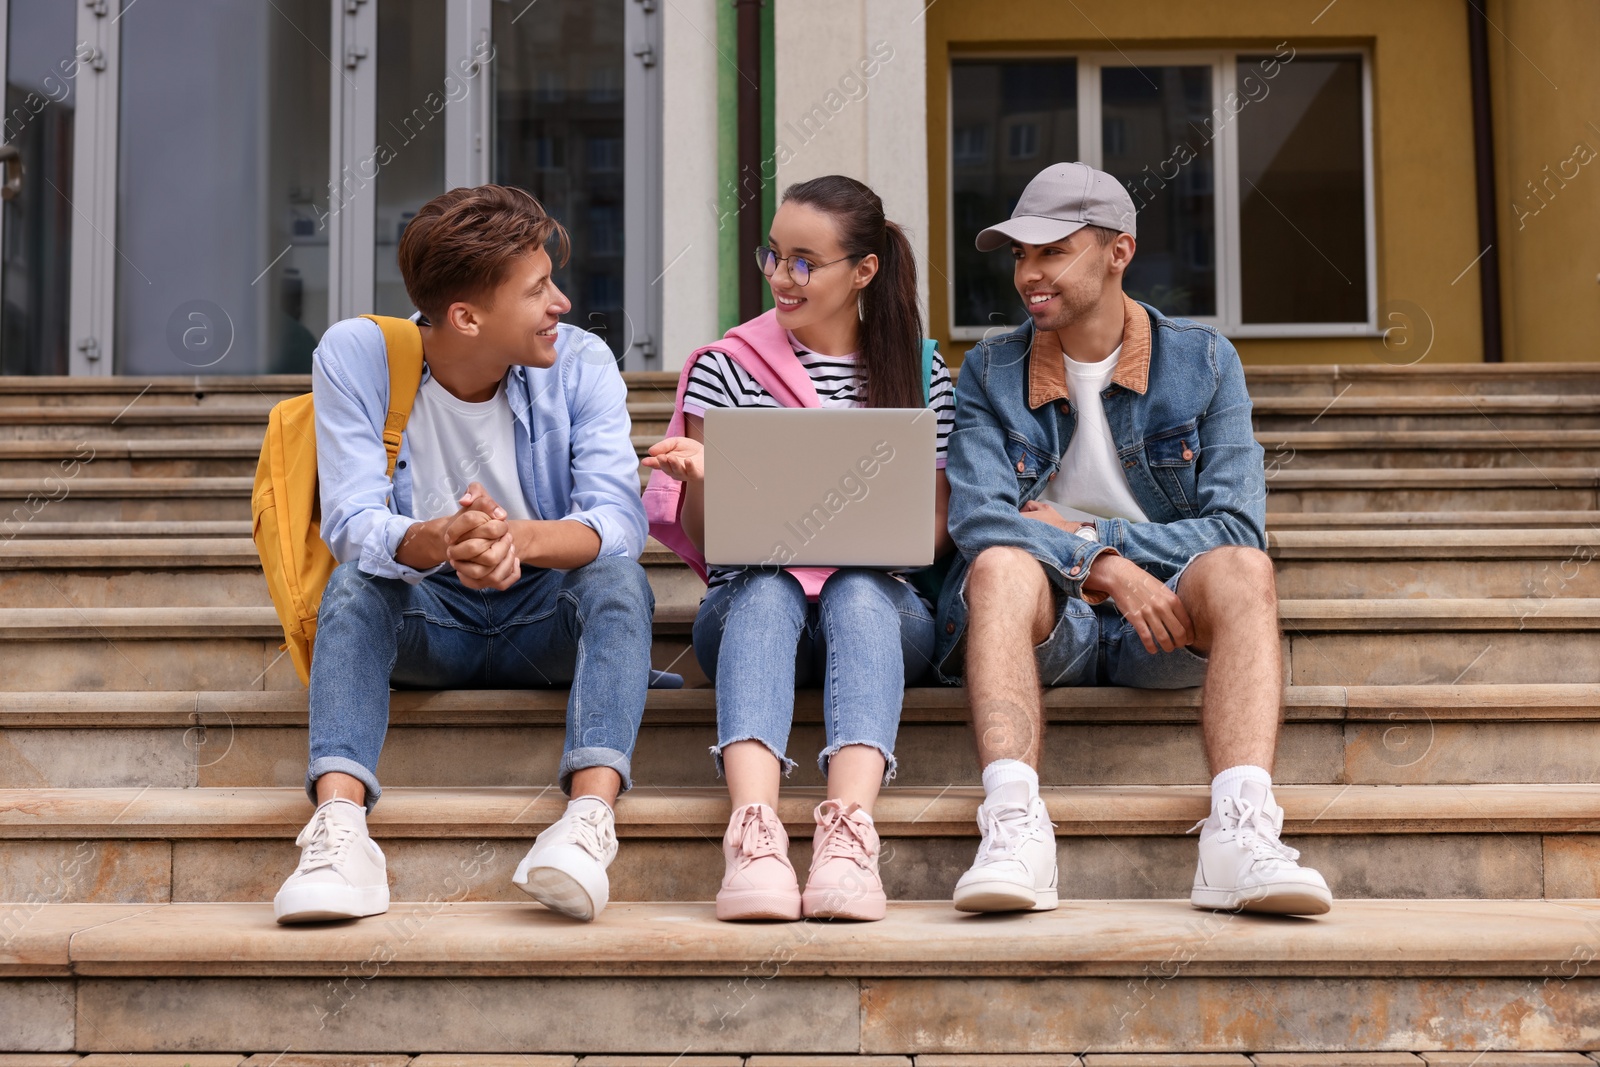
(682, 458)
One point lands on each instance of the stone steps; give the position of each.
(1432, 528)
(1141, 975)
(1302, 450)
(239, 416)
(226, 572)
(1364, 735)
(1363, 379)
(153, 844)
(119, 529)
(1327, 642)
(84, 496)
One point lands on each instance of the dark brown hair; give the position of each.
(891, 321)
(1102, 235)
(460, 244)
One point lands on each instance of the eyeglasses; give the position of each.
(800, 268)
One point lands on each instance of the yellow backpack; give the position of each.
(286, 507)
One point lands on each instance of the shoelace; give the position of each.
(325, 842)
(1005, 828)
(756, 838)
(843, 838)
(593, 832)
(1254, 831)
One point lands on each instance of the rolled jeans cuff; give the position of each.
(323, 764)
(581, 759)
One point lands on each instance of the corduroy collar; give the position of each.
(1047, 374)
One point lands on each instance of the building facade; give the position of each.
(202, 186)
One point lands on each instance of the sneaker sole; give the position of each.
(560, 892)
(735, 905)
(833, 905)
(1003, 896)
(1280, 899)
(310, 904)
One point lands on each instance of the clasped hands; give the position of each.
(479, 542)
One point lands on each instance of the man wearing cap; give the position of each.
(1109, 503)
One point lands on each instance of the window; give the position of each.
(969, 144)
(411, 96)
(984, 98)
(1302, 195)
(1024, 140)
(1251, 173)
(580, 45)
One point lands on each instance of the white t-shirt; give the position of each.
(454, 443)
(1090, 484)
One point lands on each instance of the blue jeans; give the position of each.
(864, 639)
(1095, 645)
(588, 628)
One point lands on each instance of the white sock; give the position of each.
(1234, 782)
(585, 802)
(1004, 771)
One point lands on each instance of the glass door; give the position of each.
(205, 185)
(222, 168)
(42, 66)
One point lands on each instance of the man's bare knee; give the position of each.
(1001, 579)
(1231, 582)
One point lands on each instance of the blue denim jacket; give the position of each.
(1180, 417)
(574, 452)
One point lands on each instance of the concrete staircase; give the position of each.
(1434, 533)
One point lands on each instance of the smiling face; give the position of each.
(802, 230)
(517, 319)
(1062, 282)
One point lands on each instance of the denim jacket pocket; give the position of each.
(1171, 455)
(1029, 465)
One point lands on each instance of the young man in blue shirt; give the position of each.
(504, 553)
(1109, 503)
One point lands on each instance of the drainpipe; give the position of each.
(1483, 160)
(748, 61)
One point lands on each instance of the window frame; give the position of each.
(1224, 64)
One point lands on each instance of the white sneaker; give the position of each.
(565, 870)
(1016, 865)
(1244, 867)
(342, 873)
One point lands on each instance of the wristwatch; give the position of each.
(1087, 533)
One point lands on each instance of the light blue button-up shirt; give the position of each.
(575, 456)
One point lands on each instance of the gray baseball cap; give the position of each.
(1061, 200)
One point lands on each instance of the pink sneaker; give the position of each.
(844, 882)
(760, 881)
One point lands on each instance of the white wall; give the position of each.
(689, 166)
(873, 129)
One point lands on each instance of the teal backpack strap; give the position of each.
(929, 347)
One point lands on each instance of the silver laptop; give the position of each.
(819, 487)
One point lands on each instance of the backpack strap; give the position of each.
(402, 342)
(929, 347)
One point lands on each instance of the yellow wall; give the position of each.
(1546, 85)
(1423, 149)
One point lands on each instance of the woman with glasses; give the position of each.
(845, 332)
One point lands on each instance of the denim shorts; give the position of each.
(1092, 644)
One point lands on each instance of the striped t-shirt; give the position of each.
(718, 381)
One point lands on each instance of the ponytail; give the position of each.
(890, 359)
